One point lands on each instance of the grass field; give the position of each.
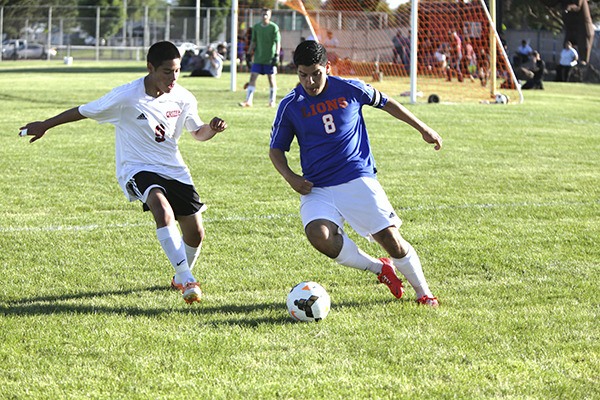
(506, 219)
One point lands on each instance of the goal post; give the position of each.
(454, 44)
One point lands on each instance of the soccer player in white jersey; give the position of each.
(338, 182)
(149, 115)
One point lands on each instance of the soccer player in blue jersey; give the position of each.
(338, 182)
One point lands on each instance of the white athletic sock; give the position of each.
(192, 254)
(410, 267)
(272, 94)
(250, 93)
(352, 256)
(172, 244)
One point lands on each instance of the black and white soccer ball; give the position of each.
(308, 302)
(501, 98)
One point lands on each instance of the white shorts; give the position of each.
(361, 202)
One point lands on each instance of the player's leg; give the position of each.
(193, 236)
(272, 87)
(332, 241)
(365, 206)
(406, 260)
(151, 190)
(168, 234)
(329, 239)
(251, 88)
(322, 222)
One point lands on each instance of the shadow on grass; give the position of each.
(77, 70)
(34, 100)
(238, 314)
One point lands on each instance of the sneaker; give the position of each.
(245, 104)
(191, 292)
(428, 301)
(389, 277)
(175, 285)
(246, 85)
(272, 104)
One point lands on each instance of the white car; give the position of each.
(34, 50)
(19, 49)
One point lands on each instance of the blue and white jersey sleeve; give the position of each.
(376, 98)
(282, 131)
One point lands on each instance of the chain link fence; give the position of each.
(116, 33)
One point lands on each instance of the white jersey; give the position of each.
(147, 129)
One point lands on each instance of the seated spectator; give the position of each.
(535, 72)
(187, 61)
(213, 67)
(222, 50)
(523, 53)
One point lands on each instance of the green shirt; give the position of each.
(265, 39)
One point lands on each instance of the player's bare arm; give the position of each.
(400, 112)
(38, 129)
(297, 182)
(208, 131)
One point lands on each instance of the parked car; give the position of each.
(9, 49)
(20, 49)
(34, 50)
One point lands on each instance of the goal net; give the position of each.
(454, 51)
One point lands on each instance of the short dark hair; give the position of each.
(309, 53)
(162, 51)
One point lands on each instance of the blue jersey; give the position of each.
(330, 129)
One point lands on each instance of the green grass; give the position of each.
(506, 219)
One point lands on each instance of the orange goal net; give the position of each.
(454, 52)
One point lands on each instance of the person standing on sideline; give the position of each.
(149, 115)
(568, 59)
(266, 46)
(339, 182)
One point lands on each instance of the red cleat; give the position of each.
(389, 277)
(428, 301)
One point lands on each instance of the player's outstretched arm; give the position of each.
(297, 182)
(208, 131)
(38, 129)
(400, 112)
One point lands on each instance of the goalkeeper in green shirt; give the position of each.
(265, 45)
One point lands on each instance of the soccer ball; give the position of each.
(501, 98)
(308, 302)
(433, 98)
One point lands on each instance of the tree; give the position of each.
(217, 25)
(538, 14)
(19, 14)
(111, 14)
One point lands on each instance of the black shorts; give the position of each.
(183, 198)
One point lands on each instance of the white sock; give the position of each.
(250, 93)
(272, 94)
(410, 267)
(172, 244)
(192, 254)
(352, 256)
